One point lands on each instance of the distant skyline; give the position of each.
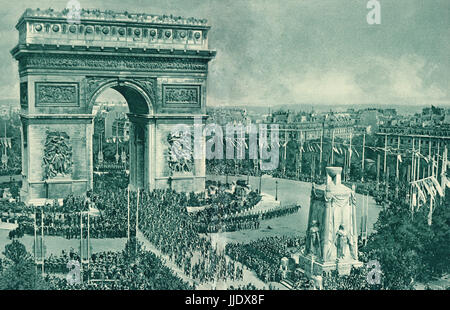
(302, 52)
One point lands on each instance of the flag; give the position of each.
(274, 144)
(421, 194)
(444, 161)
(229, 140)
(399, 157)
(430, 214)
(427, 187)
(437, 186)
(432, 187)
(245, 143)
(414, 201)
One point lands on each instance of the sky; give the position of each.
(294, 52)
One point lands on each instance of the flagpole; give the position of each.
(81, 244)
(350, 157)
(345, 165)
(397, 172)
(88, 239)
(137, 218)
(444, 165)
(429, 156)
(301, 152)
(6, 143)
(418, 161)
(437, 158)
(128, 216)
(117, 142)
(321, 147)
(35, 238)
(387, 185)
(366, 211)
(81, 235)
(413, 176)
(284, 155)
(385, 156)
(367, 216)
(378, 171)
(332, 148)
(362, 161)
(42, 239)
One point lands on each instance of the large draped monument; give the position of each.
(331, 236)
(158, 63)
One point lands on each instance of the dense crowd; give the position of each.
(165, 222)
(64, 220)
(111, 221)
(264, 255)
(233, 223)
(241, 222)
(278, 212)
(116, 271)
(163, 219)
(224, 207)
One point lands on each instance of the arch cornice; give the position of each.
(95, 85)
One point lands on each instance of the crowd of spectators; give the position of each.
(165, 222)
(115, 271)
(264, 255)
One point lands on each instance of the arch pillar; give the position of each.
(58, 159)
(142, 152)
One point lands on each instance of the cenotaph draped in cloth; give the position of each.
(331, 236)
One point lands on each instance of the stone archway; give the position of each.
(139, 96)
(158, 64)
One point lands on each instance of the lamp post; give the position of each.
(276, 190)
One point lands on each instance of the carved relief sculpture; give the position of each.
(63, 94)
(134, 63)
(179, 153)
(181, 95)
(92, 84)
(57, 155)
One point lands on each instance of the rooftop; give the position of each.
(108, 15)
(111, 32)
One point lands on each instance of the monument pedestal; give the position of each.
(312, 266)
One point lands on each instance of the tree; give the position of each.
(407, 248)
(16, 252)
(18, 270)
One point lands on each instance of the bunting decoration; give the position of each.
(425, 191)
(5, 142)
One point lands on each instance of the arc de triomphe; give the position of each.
(158, 63)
